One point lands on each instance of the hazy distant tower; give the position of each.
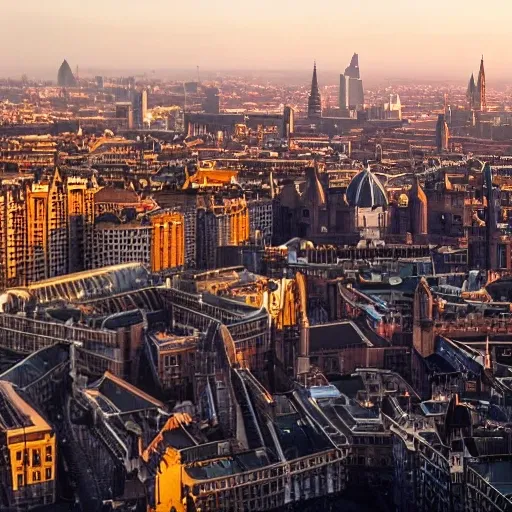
(140, 108)
(314, 100)
(288, 122)
(351, 86)
(442, 134)
(480, 87)
(65, 77)
(476, 94)
(470, 94)
(211, 104)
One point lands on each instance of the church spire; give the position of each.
(481, 87)
(470, 94)
(314, 100)
(314, 81)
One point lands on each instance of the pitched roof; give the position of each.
(116, 195)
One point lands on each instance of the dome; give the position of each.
(65, 77)
(366, 191)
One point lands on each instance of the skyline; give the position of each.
(283, 37)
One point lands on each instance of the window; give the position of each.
(48, 473)
(20, 480)
(36, 476)
(18, 455)
(36, 457)
(48, 457)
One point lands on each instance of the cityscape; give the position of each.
(242, 291)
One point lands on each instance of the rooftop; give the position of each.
(498, 474)
(339, 335)
(115, 395)
(36, 365)
(17, 414)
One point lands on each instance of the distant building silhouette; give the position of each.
(140, 107)
(480, 87)
(442, 134)
(190, 87)
(124, 110)
(288, 122)
(470, 93)
(65, 77)
(211, 104)
(100, 82)
(314, 100)
(476, 94)
(351, 86)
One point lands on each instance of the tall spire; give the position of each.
(314, 81)
(470, 94)
(314, 100)
(481, 87)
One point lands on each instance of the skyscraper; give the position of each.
(288, 122)
(140, 107)
(351, 86)
(314, 100)
(442, 134)
(65, 77)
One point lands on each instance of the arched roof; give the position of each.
(82, 286)
(366, 191)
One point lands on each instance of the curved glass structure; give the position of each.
(84, 286)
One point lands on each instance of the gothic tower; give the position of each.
(470, 94)
(480, 87)
(314, 100)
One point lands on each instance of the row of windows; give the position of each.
(36, 456)
(36, 477)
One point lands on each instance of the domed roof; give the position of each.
(366, 191)
(65, 77)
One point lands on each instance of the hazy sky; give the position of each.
(403, 38)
